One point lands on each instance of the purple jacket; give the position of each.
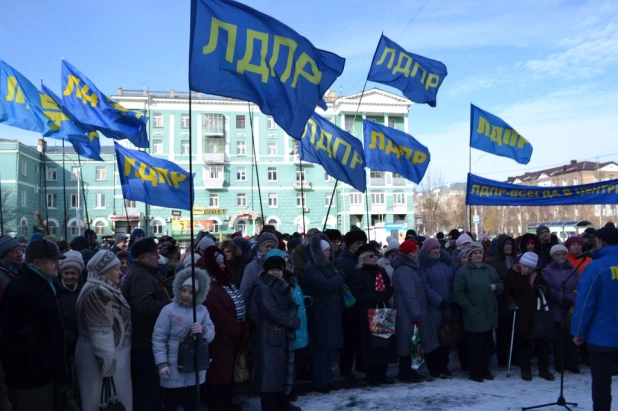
(438, 276)
(554, 275)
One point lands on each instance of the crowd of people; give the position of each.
(277, 309)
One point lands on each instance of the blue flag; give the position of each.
(89, 106)
(418, 77)
(387, 149)
(22, 105)
(69, 129)
(340, 153)
(153, 180)
(238, 52)
(493, 135)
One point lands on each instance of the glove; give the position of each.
(453, 306)
(513, 307)
(197, 328)
(164, 373)
(443, 305)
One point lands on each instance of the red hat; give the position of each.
(407, 247)
(573, 240)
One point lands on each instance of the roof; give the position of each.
(572, 167)
(109, 150)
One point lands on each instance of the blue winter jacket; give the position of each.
(302, 337)
(596, 306)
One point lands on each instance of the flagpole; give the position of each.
(79, 160)
(330, 204)
(2, 208)
(469, 172)
(302, 193)
(193, 305)
(64, 194)
(44, 149)
(366, 186)
(257, 175)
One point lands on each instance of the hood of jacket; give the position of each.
(503, 238)
(280, 253)
(524, 240)
(201, 279)
(315, 250)
(208, 262)
(402, 260)
(425, 260)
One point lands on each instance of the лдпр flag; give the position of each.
(493, 135)
(340, 153)
(89, 106)
(152, 180)
(238, 52)
(388, 149)
(69, 129)
(22, 105)
(418, 77)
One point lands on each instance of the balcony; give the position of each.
(214, 131)
(214, 158)
(304, 184)
(399, 181)
(377, 181)
(214, 183)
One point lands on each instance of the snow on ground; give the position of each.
(458, 393)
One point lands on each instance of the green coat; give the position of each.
(472, 291)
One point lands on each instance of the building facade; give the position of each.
(233, 145)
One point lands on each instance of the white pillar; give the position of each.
(386, 120)
(286, 148)
(256, 134)
(172, 130)
(342, 122)
(200, 139)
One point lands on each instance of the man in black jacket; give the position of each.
(145, 292)
(33, 334)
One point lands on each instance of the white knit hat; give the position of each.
(558, 248)
(73, 259)
(190, 284)
(101, 262)
(205, 243)
(529, 259)
(324, 245)
(463, 239)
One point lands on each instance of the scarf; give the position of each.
(239, 303)
(508, 261)
(380, 287)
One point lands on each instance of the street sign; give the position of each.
(476, 219)
(176, 213)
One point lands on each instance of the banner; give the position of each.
(238, 52)
(89, 106)
(69, 129)
(493, 135)
(482, 191)
(340, 153)
(23, 106)
(185, 225)
(388, 149)
(152, 180)
(418, 77)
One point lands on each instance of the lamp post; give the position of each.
(476, 216)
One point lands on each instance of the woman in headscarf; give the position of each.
(104, 342)
(371, 287)
(233, 260)
(266, 242)
(69, 284)
(474, 289)
(389, 253)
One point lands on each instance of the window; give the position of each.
(215, 145)
(377, 178)
(272, 148)
(241, 226)
(75, 173)
(241, 200)
(24, 198)
(157, 227)
(157, 120)
(24, 228)
(24, 168)
(101, 174)
(184, 121)
(356, 198)
(399, 198)
(300, 174)
(301, 200)
(215, 226)
(377, 198)
(273, 200)
(51, 174)
(398, 180)
(213, 200)
(157, 146)
(349, 125)
(184, 147)
(51, 201)
(100, 200)
(129, 203)
(241, 174)
(392, 123)
(213, 123)
(272, 173)
(273, 222)
(240, 122)
(51, 228)
(328, 177)
(270, 123)
(73, 229)
(296, 151)
(327, 197)
(241, 148)
(73, 200)
(36, 169)
(215, 173)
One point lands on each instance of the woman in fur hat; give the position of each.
(68, 285)
(175, 322)
(104, 343)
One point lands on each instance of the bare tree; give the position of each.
(9, 224)
(430, 204)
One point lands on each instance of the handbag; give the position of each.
(543, 320)
(450, 332)
(348, 298)
(186, 354)
(109, 399)
(242, 368)
(381, 322)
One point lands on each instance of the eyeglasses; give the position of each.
(372, 256)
